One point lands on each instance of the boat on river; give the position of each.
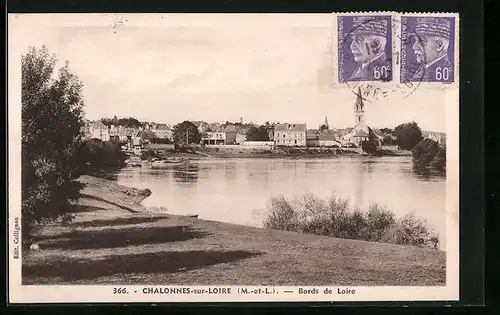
(133, 161)
(165, 163)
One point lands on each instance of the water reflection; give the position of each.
(427, 174)
(239, 190)
(186, 173)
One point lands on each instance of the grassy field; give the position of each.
(115, 240)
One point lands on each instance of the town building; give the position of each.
(122, 133)
(312, 138)
(114, 132)
(95, 130)
(130, 132)
(328, 139)
(326, 122)
(240, 138)
(145, 126)
(437, 137)
(213, 138)
(163, 131)
(291, 135)
(230, 137)
(361, 133)
(152, 127)
(270, 134)
(135, 145)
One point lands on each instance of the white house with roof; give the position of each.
(213, 137)
(328, 139)
(290, 135)
(163, 131)
(436, 136)
(95, 130)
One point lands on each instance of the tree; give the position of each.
(408, 135)
(52, 117)
(147, 135)
(424, 153)
(388, 140)
(101, 156)
(386, 131)
(439, 161)
(323, 128)
(129, 122)
(258, 133)
(186, 133)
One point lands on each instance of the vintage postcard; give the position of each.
(233, 157)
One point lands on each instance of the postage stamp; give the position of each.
(365, 48)
(418, 52)
(233, 158)
(427, 49)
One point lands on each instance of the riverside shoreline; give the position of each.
(292, 154)
(114, 239)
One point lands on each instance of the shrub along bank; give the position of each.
(333, 217)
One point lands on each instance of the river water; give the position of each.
(239, 190)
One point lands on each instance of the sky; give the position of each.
(171, 68)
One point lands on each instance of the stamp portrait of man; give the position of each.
(430, 45)
(368, 48)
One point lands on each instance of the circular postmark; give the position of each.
(369, 57)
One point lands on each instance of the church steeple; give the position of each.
(359, 108)
(326, 122)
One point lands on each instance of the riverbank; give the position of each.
(294, 153)
(113, 239)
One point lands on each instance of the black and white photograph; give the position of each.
(215, 157)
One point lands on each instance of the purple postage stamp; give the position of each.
(427, 49)
(365, 48)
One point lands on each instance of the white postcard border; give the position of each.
(19, 293)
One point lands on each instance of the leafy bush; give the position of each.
(333, 217)
(414, 231)
(101, 156)
(282, 215)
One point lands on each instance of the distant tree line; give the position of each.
(260, 133)
(129, 122)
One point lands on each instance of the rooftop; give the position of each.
(162, 126)
(327, 137)
(290, 127)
